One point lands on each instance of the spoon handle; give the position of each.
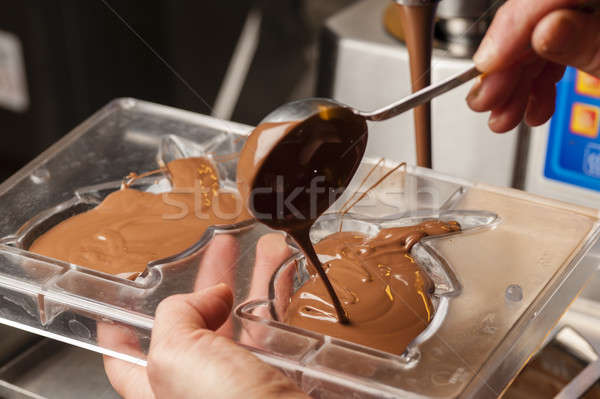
(421, 96)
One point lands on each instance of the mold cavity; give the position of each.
(431, 285)
(387, 311)
(125, 229)
(44, 222)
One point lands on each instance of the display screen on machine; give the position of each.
(573, 152)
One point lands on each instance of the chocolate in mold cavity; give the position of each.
(289, 173)
(418, 23)
(130, 228)
(385, 293)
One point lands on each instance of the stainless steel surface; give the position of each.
(11, 391)
(53, 370)
(466, 8)
(12, 341)
(559, 361)
(462, 24)
(584, 317)
(575, 344)
(459, 37)
(577, 387)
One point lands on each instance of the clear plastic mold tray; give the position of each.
(500, 285)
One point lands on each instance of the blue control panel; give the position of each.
(573, 154)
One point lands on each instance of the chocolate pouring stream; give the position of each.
(289, 173)
(418, 22)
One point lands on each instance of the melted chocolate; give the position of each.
(290, 173)
(131, 228)
(384, 292)
(417, 23)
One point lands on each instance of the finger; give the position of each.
(284, 289)
(508, 116)
(189, 313)
(543, 95)
(509, 36)
(128, 379)
(218, 266)
(570, 37)
(493, 90)
(271, 252)
(182, 338)
(540, 106)
(186, 359)
(218, 263)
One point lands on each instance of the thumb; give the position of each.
(188, 313)
(186, 360)
(570, 37)
(180, 337)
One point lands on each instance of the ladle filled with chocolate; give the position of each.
(289, 173)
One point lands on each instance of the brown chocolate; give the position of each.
(290, 173)
(418, 23)
(385, 293)
(131, 228)
(259, 144)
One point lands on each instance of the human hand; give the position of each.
(187, 358)
(524, 54)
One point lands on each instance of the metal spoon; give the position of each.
(302, 109)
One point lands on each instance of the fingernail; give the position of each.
(492, 121)
(216, 287)
(475, 90)
(484, 56)
(221, 290)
